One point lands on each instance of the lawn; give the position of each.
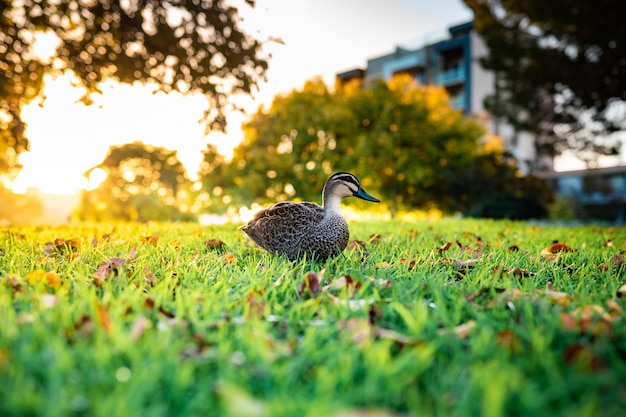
(450, 317)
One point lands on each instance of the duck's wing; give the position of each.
(278, 228)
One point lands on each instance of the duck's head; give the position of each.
(344, 184)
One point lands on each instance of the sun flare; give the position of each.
(68, 137)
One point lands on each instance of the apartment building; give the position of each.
(454, 63)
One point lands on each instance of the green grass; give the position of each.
(183, 328)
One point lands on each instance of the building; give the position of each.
(454, 63)
(598, 193)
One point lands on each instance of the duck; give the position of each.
(306, 230)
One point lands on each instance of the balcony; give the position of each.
(451, 76)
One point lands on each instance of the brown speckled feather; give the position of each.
(299, 230)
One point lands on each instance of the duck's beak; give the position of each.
(365, 196)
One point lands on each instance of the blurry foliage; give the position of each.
(142, 183)
(404, 141)
(189, 47)
(560, 69)
(18, 208)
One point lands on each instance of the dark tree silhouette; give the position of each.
(561, 70)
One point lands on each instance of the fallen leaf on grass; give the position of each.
(150, 240)
(311, 283)
(149, 276)
(409, 262)
(621, 292)
(463, 266)
(138, 327)
(345, 281)
(554, 251)
(444, 248)
(103, 317)
(51, 279)
(14, 235)
(214, 244)
(517, 272)
(462, 330)
(108, 268)
(583, 357)
(362, 332)
(61, 246)
(83, 327)
(592, 319)
(255, 304)
(507, 339)
(15, 283)
(229, 258)
(356, 245)
(466, 248)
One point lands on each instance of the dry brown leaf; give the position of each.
(558, 297)
(138, 327)
(311, 283)
(108, 268)
(356, 245)
(149, 276)
(214, 244)
(507, 339)
(555, 250)
(255, 304)
(150, 240)
(229, 258)
(62, 246)
(15, 283)
(409, 262)
(445, 247)
(583, 357)
(103, 317)
(588, 319)
(462, 330)
(621, 291)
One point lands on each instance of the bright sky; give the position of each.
(320, 38)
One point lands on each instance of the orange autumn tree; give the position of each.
(404, 140)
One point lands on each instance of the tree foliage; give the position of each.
(142, 182)
(185, 46)
(404, 141)
(560, 68)
(18, 208)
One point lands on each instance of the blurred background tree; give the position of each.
(406, 143)
(141, 183)
(18, 209)
(189, 47)
(561, 72)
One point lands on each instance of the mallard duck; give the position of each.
(305, 229)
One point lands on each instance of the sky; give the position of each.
(317, 38)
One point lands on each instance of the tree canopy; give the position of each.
(405, 142)
(185, 46)
(142, 182)
(561, 70)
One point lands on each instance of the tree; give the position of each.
(185, 46)
(410, 139)
(403, 140)
(142, 182)
(17, 208)
(560, 70)
(289, 149)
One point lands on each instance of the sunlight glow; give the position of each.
(68, 138)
